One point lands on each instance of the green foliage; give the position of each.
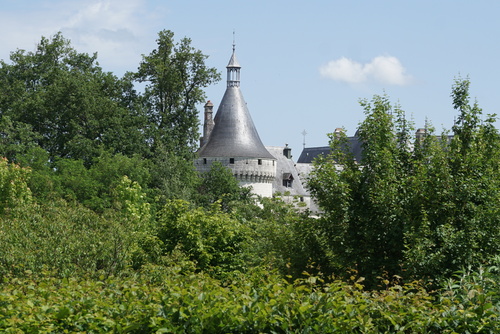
(456, 212)
(18, 141)
(471, 299)
(74, 181)
(59, 110)
(175, 74)
(84, 248)
(14, 191)
(173, 177)
(70, 240)
(286, 237)
(166, 300)
(93, 187)
(61, 99)
(109, 169)
(220, 185)
(364, 218)
(422, 212)
(132, 200)
(212, 239)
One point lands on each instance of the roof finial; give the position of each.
(304, 133)
(234, 43)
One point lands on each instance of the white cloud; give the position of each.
(106, 14)
(119, 30)
(110, 27)
(382, 69)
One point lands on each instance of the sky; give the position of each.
(305, 64)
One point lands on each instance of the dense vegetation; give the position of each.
(420, 207)
(105, 225)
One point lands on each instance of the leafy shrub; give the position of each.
(287, 237)
(212, 239)
(95, 186)
(14, 191)
(69, 239)
(471, 300)
(171, 300)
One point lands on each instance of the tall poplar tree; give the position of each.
(175, 75)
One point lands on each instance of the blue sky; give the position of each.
(305, 64)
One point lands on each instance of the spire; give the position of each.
(234, 134)
(233, 69)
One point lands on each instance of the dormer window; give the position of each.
(287, 180)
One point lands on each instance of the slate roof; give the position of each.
(234, 133)
(285, 169)
(233, 62)
(354, 146)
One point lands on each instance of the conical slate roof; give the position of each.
(233, 62)
(234, 134)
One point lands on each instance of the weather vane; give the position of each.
(234, 40)
(304, 133)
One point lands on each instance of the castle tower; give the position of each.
(234, 141)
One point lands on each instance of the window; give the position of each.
(287, 180)
(231, 161)
(204, 161)
(259, 161)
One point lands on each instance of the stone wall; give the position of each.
(255, 172)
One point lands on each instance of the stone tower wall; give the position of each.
(255, 172)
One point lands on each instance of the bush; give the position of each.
(14, 191)
(212, 239)
(170, 300)
(71, 240)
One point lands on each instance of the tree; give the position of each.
(94, 187)
(175, 75)
(286, 237)
(422, 212)
(457, 223)
(69, 103)
(220, 185)
(363, 219)
(17, 140)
